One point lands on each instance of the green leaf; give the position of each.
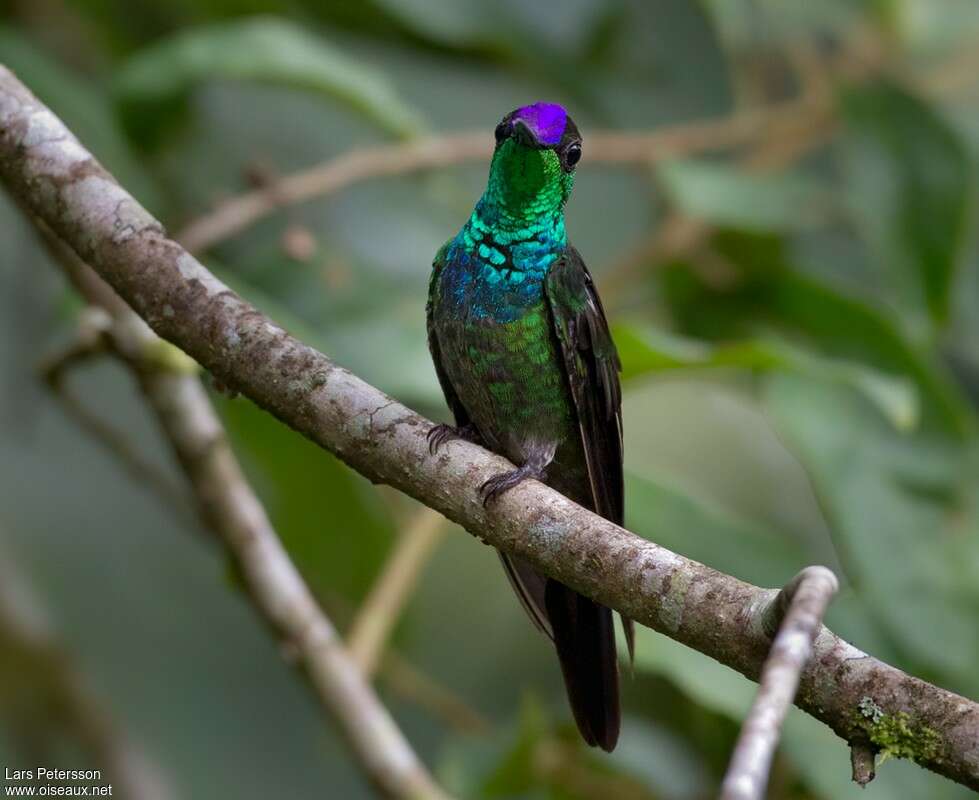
(666, 763)
(725, 195)
(901, 524)
(516, 772)
(703, 531)
(155, 83)
(910, 186)
(448, 21)
(711, 684)
(505, 764)
(768, 293)
(850, 326)
(646, 350)
(702, 467)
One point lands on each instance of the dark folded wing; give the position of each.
(592, 366)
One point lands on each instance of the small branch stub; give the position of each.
(862, 757)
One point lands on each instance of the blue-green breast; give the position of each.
(499, 352)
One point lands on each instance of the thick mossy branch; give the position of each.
(58, 180)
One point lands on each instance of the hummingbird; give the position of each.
(523, 353)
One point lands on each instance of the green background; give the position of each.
(802, 381)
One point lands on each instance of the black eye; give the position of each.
(572, 155)
(502, 131)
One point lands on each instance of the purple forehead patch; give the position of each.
(545, 120)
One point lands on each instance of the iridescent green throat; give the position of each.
(517, 226)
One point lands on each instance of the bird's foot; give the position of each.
(505, 481)
(440, 434)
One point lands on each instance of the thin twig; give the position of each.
(230, 507)
(382, 608)
(406, 680)
(788, 140)
(49, 170)
(604, 147)
(796, 613)
(676, 235)
(90, 343)
(809, 112)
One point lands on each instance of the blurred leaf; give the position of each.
(505, 764)
(329, 518)
(876, 499)
(84, 108)
(538, 758)
(666, 764)
(768, 292)
(699, 530)
(711, 684)
(850, 326)
(155, 83)
(517, 771)
(910, 184)
(501, 25)
(935, 28)
(725, 195)
(709, 440)
(648, 350)
(463, 22)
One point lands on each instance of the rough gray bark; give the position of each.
(859, 697)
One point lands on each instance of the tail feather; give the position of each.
(584, 635)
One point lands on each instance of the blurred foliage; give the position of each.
(266, 50)
(801, 377)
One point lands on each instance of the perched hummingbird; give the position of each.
(528, 367)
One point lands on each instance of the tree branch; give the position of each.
(231, 509)
(794, 618)
(604, 147)
(858, 696)
(89, 343)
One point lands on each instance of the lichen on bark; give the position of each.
(897, 735)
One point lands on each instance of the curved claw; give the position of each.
(440, 434)
(505, 481)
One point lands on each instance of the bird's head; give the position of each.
(537, 149)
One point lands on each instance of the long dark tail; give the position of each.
(584, 635)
